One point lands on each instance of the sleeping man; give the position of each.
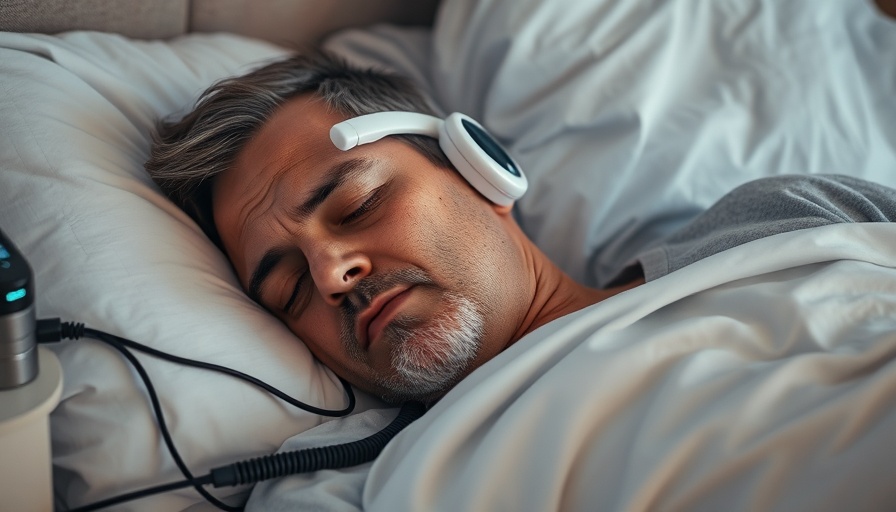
(396, 272)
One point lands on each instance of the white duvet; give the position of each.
(737, 383)
(762, 378)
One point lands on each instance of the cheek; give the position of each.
(464, 239)
(409, 231)
(319, 328)
(321, 333)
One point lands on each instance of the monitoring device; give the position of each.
(18, 341)
(478, 157)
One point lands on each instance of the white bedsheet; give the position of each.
(736, 383)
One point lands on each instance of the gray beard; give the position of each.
(427, 359)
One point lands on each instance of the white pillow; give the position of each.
(108, 249)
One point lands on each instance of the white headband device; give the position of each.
(476, 154)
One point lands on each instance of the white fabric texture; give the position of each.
(736, 383)
(629, 117)
(108, 249)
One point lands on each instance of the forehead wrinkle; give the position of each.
(252, 208)
(266, 172)
(273, 174)
(260, 200)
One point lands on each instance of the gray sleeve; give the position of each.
(766, 207)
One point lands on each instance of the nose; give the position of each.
(337, 270)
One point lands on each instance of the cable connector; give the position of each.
(50, 330)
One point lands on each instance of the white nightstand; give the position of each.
(26, 476)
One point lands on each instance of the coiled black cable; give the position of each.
(244, 472)
(314, 459)
(283, 464)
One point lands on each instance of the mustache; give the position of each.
(363, 294)
(371, 286)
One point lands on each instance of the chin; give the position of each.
(429, 359)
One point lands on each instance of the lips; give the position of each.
(377, 315)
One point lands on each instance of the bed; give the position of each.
(762, 378)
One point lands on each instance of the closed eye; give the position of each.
(295, 293)
(366, 207)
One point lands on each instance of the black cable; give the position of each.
(160, 417)
(52, 328)
(244, 472)
(135, 495)
(282, 464)
(314, 459)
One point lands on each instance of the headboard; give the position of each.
(288, 23)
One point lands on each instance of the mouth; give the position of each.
(382, 309)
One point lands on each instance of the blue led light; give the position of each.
(4, 254)
(15, 295)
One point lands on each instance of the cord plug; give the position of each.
(50, 330)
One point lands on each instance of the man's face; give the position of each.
(394, 272)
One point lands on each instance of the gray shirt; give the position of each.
(766, 207)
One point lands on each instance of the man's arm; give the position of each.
(770, 206)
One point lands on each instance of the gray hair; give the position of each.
(187, 154)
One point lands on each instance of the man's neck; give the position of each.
(555, 294)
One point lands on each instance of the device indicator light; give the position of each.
(4, 254)
(15, 295)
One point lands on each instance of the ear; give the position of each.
(503, 209)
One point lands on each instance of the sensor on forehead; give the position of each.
(478, 157)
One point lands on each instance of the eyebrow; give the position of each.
(334, 178)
